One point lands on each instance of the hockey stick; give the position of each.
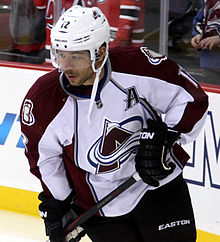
(108, 198)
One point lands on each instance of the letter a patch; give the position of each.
(132, 97)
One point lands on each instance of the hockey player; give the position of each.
(90, 124)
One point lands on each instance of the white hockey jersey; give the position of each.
(65, 151)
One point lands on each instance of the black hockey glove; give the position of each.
(76, 234)
(52, 211)
(155, 142)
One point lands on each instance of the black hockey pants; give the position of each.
(162, 215)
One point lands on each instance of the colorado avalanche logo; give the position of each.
(153, 57)
(117, 144)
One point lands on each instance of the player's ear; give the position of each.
(100, 56)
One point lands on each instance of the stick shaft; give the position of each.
(108, 198)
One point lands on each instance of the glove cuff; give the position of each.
(172, 137)
(51, 208)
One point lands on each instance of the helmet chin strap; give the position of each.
(95, 85)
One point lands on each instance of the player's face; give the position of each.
(77, 67)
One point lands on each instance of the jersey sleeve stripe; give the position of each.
(130, 7)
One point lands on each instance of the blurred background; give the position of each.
(166, 26)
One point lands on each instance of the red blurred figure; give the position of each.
(49, 18)
(27, 28)
(126, 19)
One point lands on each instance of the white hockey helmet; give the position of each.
(80, 28)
